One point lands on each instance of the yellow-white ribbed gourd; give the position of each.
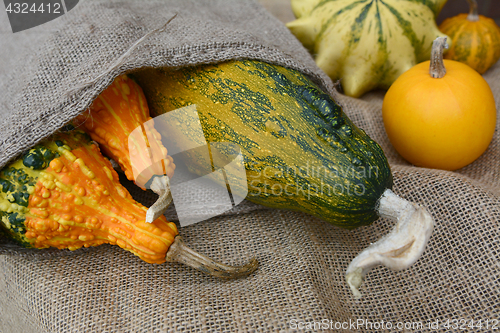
(366, 44)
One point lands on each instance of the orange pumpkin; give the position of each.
(475, 39)
(443, 118)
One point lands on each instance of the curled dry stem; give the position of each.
(399, 249)
(179, 252)
(161, 186)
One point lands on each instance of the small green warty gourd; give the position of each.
(366, 44)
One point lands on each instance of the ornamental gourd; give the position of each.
(120, 110)
(440, 114)
(475, 39)
(366, 43)
(113, 116)
(63, 193)
(300, 150)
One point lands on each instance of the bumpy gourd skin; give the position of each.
(63, 193)
(300, 151)
(120, 110)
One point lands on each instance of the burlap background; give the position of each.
(302, 259)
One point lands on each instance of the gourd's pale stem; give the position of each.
(179, 252)
(437, 69)
(473, 14)
(399, 249)
(161, 186)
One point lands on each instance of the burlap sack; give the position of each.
(300, 281)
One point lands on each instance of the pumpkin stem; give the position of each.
(399, 249)
(437, 69)
(161, 186)
(473, 15)
(179, 252)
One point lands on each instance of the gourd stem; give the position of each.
(179, 252)
(400, 248)
(437, 69)
(473, 14)
(161, 186)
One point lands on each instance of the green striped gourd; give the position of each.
(366, 43)
(300, 151)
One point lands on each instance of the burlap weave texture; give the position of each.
(302, 259)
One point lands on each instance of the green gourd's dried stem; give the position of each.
(399, 249)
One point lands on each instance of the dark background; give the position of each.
(489, 8)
